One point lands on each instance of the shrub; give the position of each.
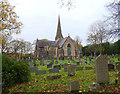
(14, 72)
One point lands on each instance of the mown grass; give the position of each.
(39, 83)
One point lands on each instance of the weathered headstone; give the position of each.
(57, 67)
(33, 69)
(65, 69)
(56, 62)
(83, 64)
(34, 60)
(88, 68)
(47, 63)
(79, 68)
(37, 72)
(78, 63)
(110, 67)
(74, 61)
(30, 65)
(34, 64)
(53, 77)
(42, 62)
(71, 70)
(53, 70)
(61, 62)
(101, 67)
(118, 66)
(49, 66)
(65, 65)
(86, 62)
(94, 85)
(75, 65)
(74, 86)
(111, 62)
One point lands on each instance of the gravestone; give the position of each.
(83, 64)
(62, 65)
(34, 61)
(75, 65)
(53, 70)
(52, 62)
(79, 68)
(78, 63)
(30, 64)
(88, 68)
(110, 67)
(74, 86)
(53, 77)
(49, 66)
(57, 67)
(33, 69)
(47, 63)
(61, 62)
(65, 65)
(71, 70)
(111, 62)
(118, 66)
(56, 62)
(74, 61)
(94, 85)
(37, 72)
(65, 69)
(34, 64)
(42, 62)
(118, 59)
(101, 67)
(86, 62)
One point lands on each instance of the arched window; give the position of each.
(69, 49)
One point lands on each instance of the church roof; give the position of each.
(61, 42)
(58, 43)
(42, 43)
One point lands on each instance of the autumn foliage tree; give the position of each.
(9, 22)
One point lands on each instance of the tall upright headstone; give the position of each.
(71, 70)
(101, 66)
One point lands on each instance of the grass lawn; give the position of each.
(39, 83)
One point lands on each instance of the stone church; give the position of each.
(61, 48)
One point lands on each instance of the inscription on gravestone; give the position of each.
(101, 67)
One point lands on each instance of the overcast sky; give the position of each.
(40, 18)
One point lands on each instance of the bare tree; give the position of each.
(67, 3)
(97, 34)
(114, 19)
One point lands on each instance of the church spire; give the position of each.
(59, 33)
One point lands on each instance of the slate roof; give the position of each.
(61, 42)
(43, 43)
(58, 43)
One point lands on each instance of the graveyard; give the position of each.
(61, 76)
(82, 57)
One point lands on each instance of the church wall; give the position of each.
(69, 41)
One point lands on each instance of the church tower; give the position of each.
(59, 33)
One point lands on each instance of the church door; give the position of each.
(69, 49)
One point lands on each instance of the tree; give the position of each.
(67, 3)
(9, 22)
(114, 18)
(78, 46)
(97, 34)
